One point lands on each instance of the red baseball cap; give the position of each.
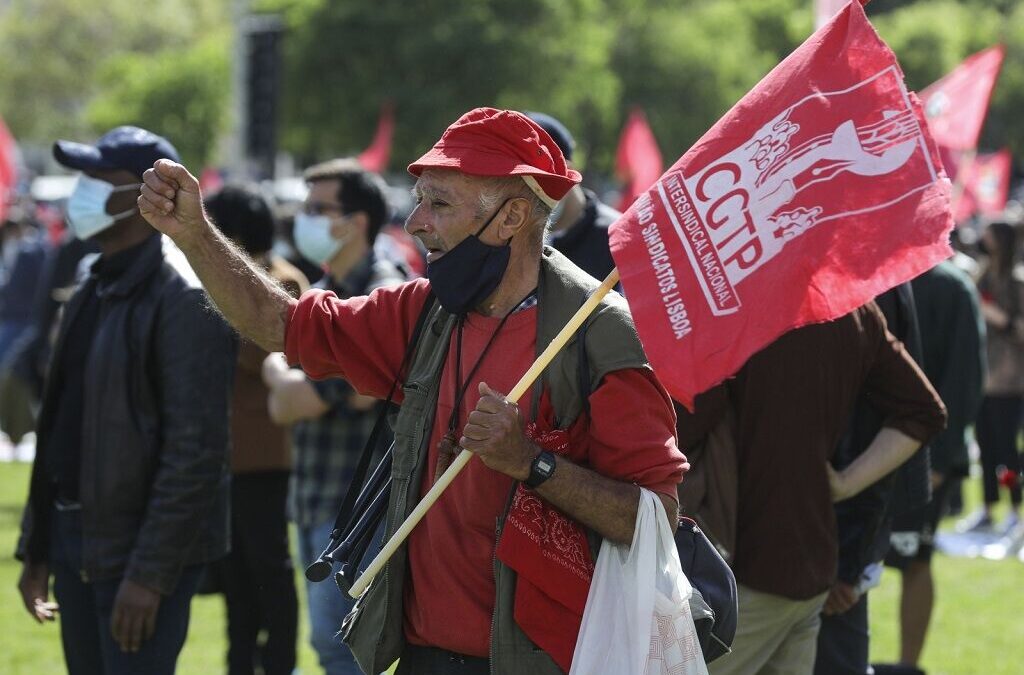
(491, 142)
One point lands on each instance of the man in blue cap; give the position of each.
(128, 496)
(578, 226)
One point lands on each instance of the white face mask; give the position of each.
(313, 238)
(86, 209)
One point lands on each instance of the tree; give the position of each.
(931, 38)
(436, 60)
(181, 95)
(54, 54)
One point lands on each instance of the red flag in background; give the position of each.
(819, 190)
(637, 160)
(8, 176)
(375, 158)
(957, 104)
(986, 186)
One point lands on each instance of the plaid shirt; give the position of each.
(327, 449)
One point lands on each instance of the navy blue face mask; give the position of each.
(466, 275)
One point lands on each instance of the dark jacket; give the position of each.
(585, 243)
(864, 521)
(154, 482)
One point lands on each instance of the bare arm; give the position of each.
(889, 449)
(248, 298)
(292, 398)
(494, 431)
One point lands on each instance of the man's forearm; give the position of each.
(889, 449)
(605, 505)
(252, 302)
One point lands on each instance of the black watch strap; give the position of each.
(542, 468)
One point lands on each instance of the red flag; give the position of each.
(819, 190)
(375, 157)
(637, 160)
(956, 105)
(986, 186)
(210, 180)
(8, 175)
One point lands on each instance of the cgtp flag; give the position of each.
(986, 186)
(375, 158)
(637, 159)
(8, 176)
(956, 105)
(819, 190)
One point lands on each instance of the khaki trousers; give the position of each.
(774, 636)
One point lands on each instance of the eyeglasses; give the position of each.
(321, 208)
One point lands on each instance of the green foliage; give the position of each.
(931, 38)
(183, 96)
(435, 60)
(55, 56)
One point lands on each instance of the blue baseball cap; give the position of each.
(128, 148)
(558, 132)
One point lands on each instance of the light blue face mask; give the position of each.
(313, 238)
(87, 206)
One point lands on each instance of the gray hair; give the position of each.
(496, 190)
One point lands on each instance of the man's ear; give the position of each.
(516, 218)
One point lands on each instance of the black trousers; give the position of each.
(998, 423)
(843, 642)
(258, 578)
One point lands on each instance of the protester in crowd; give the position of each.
(953, 340)
(791, 403)
(579, 222)
(129, 490)
(1001, 286)
(444, 602)
(24, 252)
(257, 576)
(864, 522)
(330, 422)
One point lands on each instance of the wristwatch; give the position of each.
(542, 468)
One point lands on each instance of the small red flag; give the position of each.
(819, 190)
(637, 160)
(8, 171)
(957, 104)
(986, 186)
(375, 158)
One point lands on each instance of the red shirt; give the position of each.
(450, 595)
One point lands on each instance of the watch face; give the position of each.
(545, 465)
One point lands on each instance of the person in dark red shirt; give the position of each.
(483, 195)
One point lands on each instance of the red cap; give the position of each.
(490, 142)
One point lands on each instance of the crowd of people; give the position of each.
(202, 369)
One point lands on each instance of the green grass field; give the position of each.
(977, 629)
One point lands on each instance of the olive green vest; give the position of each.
(374, 629)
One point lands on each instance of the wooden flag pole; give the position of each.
(449, 475)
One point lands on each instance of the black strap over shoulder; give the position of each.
(363, 493)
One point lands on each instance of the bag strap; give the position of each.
(345, 514)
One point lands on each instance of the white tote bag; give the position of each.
(637, 620)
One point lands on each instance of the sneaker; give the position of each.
(1008, 545)
(979, 521)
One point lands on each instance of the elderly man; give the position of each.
(466, 594)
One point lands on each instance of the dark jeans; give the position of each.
(996, 429)
(430, 661)
(85, 609)
(843, 642)
(258, 577)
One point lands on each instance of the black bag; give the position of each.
(716, 608)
